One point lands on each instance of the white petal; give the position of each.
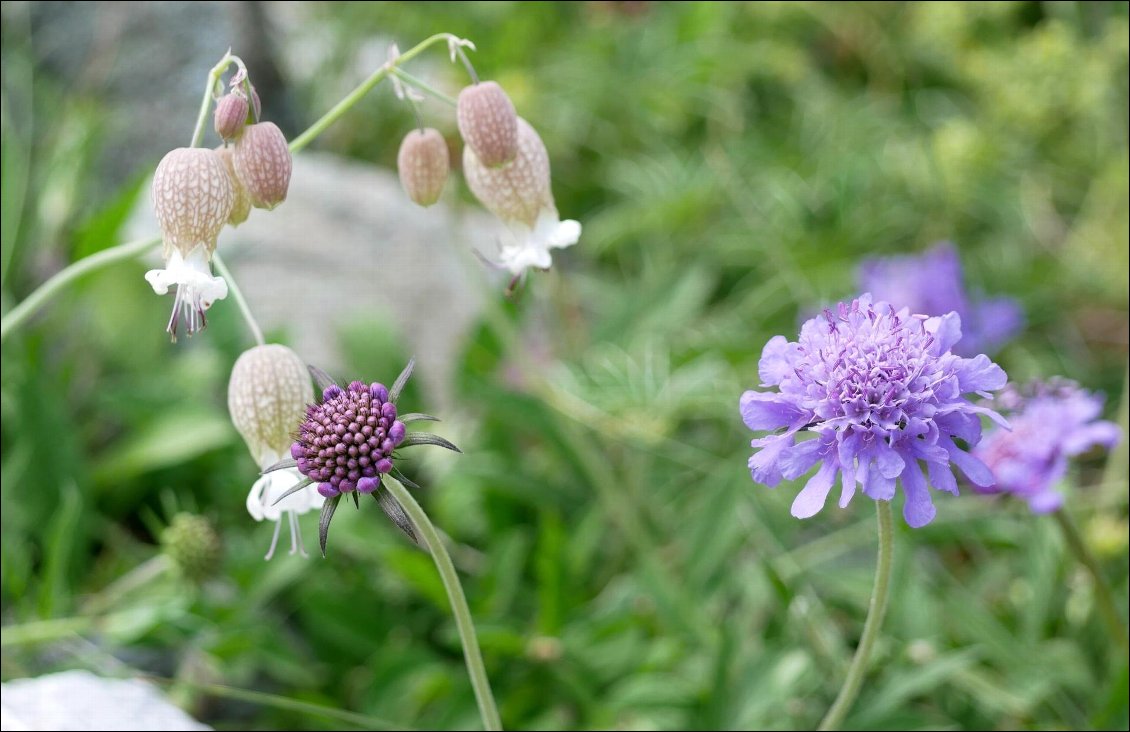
(193, 273)
(565, 235)
(255, 505)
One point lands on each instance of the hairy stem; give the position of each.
(1104, 598)
(474, 657)
(875, 612)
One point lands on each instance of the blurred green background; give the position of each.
(731, 164)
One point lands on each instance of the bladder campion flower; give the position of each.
(231, 115)
(932, 284)
(1051, 422)
(488, 123)
(241, 207)
(880, 391)
(519, 194)
(263, 163)
(423, 163)
(193, 198)
(267, 397)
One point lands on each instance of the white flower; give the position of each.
(261, 503)
(519, 194)
(196, 287)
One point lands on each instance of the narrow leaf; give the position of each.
(404, 479)
(328, 509)
(280, 465)
(417, 417)
(321, 379)
(297, 487)
(401, 380)
(395, 513)
(356, 499)
(427, 438)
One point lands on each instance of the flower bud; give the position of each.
(193, 197)
(519, 190)
(267, 397)
(423, 164)
(263, 163)
(488, 123)
(241, 208)
(191, 542)
(230, 115)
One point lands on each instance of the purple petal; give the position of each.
(947, 331)
(796, 461)
(767, 411)
(774, 364)
(763, 465)
(1045, 501)
(815, 492)
(919, 509)
(941, 476)
(1104, 434)
(977, 472)
(367, 485)
(979, 374)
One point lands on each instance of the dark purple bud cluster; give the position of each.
(346, 442)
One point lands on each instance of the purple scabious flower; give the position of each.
(346, 442)
(1051, 422)
(881, 391)
(932, 283)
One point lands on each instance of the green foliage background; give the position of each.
(731, 164)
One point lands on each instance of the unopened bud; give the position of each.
(519, 190)
(230, 115)
(267, 397)
(423, 164)
(263, 164)
(488, 123)
(193, 197)
(241, 208)
(191, 542)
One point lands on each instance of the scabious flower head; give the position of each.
(932, 284)
(345, 443)
(882, 393)
(1051, 422)
(263, 163)
(193, 198)
(519, 194)
(267, 395)
(423, 163)
(488, 123)
(193, 545)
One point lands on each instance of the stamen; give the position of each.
(274, 541)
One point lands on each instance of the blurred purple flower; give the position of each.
(1050, 422)
(881, 391)
(931, 284)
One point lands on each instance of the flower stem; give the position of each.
(424, 86)
(474, 657)
(33, 302)
(362, 89)
(1104, 599)
(876, 610)
(237, 295)
(206, 102)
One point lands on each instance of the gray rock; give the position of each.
(79, 700)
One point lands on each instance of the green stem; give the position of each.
(362, 89)
(237, 295)
(423, 86)
(129, 582)
(33, 302)
(45, 631)
(206, 102)
(1104, 599)
(876, 610)
(463, 622)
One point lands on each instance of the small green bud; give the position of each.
(193, 545)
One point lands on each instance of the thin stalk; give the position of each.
(875, 612)
(129, 582)
(237, 295)
(474, 657)
(1104, 598)
(206, 102)
(362, 89)
(423, 86)
(18, 315)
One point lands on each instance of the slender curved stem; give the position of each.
(362, 89)
(875, 612)
(237, 295)
(33, 302)
(474, 657)
(423, 86)
(1104, 598)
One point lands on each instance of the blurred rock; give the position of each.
(348, 244)
(79, 700)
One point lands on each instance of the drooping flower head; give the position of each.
(193, 198)
(932, 284)
(519, 194)
(263, 163)
(488, 123)
(267, 397)
(346, 443)
(1051, 422)
(423, 163)
(882, 393)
